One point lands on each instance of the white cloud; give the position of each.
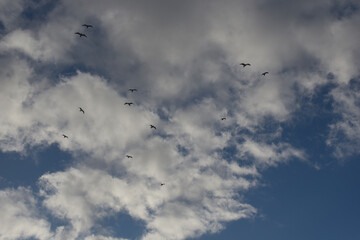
(269, 154)
(48, 45)
(20, 217)
(103, 133)
(344, 133)
(15, 90)
(204, 200)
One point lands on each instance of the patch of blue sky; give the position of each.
(295, 200)
(25, 170)
(120, 225)
(298, 202)
(309, 127)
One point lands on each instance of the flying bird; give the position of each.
(132, 89)
(65, 136)
(264, 73)
(81, 110)
(128, 156)
(87, 26)
(245, 64)
(162, 184)
(223, 118)
(128, 103)
(152, 126)
(81, 34)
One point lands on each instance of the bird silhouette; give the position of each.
(128, 156)
(81, 34)
(245, 64)
(64, 136)
(128, 103)
(152, 126)
(162, 184)
(81, 110)
(264, 73)
(87, 26)
(223, 118)
(132, 89)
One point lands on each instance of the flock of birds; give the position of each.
(132, 90)
(83, 34)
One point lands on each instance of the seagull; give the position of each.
(128, 103)
(81, 110)
(264, 73)
(65, 136)
(128, 156)
(87, 26)
(223, 118)
(245, 64)
(162, 184)
(152, 126)
(81, 34)
(132, 89)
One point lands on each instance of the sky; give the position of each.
(284, 163)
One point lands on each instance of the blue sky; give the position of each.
(283, 165)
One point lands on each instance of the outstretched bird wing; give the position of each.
(87, 25)
(81, 34)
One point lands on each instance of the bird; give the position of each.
(245, 64)
(81, 110)
(223, 118)
(87, 26)
(152, 126)
(128, 156)
(162, 184)
(128, 103)
(132, 89)
(81, 34)
(65, 136)
(264, 73)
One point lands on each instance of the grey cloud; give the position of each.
(10, 11)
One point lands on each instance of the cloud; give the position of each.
(10, 11)
(183, 57)
(188, 205)
(344, 133)
(20, 217)
(200, 177)
(269, 154)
